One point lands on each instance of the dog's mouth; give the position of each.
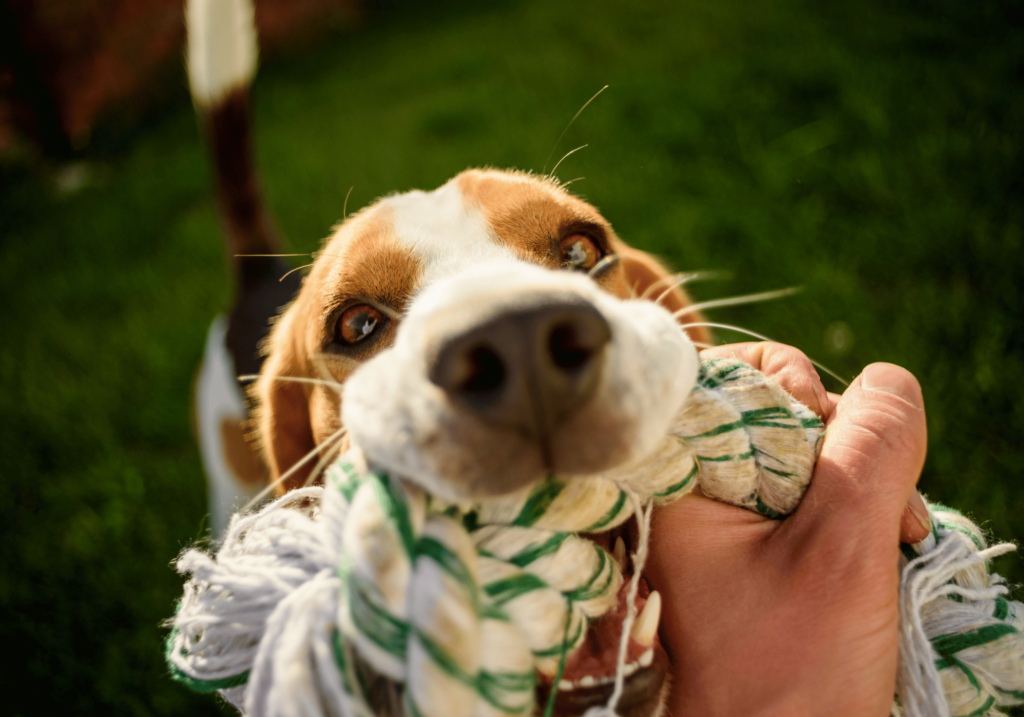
(588, 677)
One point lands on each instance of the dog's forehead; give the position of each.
(480, 218)
(485, 217)
(444, 232)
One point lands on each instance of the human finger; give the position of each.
(914, 524)
(871, 457)
(787, 366)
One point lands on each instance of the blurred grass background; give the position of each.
(870, 152)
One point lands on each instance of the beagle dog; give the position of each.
(484, 333)
(474, 338)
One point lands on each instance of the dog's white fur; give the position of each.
(395, 414)
(447, 235)
(222, 48)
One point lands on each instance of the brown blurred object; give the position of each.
(66, 65)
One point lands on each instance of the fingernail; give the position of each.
(895, 380)
(919, 510)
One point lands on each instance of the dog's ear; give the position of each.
(646, 277)
(282, 410)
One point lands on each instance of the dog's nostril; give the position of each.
(524, 368)
(486, 372)
(567, 351)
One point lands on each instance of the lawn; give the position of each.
(869, 152)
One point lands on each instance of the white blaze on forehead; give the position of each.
(447, 235)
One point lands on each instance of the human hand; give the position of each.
(798, 616)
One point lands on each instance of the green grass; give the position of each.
(870, 152)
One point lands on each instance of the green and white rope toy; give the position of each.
(311, 599)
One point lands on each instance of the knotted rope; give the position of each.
(312, 600)
(961, 647)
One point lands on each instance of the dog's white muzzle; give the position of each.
(504, 374)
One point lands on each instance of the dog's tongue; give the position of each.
(597, 657)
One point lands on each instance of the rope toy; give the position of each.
(327, 599)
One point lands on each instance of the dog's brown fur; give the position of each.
(362, 259)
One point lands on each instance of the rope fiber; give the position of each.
(315, 598)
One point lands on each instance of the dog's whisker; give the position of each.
(563, 185)
(762, 337)
(830, 372)
(730, 327)
(676, 280)
(344, 207)
(294, 379)
(602, 266)
(662, 281)
(564, 157)
(557, 141)
(317, 255)
(328, 456)
(258, 498)
(738, 300)
(298, 268)
(667, 291)
(320, 362)
(271, 255)
(673, 279)
(702, 345)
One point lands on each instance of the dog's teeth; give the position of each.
(587, 681)
(565, 686)
(619, 552)
(646, 625)
(630, 669)
(647, 658)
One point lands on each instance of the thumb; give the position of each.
(871, 459)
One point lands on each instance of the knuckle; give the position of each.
(784, 354)
(881, 431)
(786, 360)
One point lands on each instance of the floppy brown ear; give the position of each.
(646, 277)
(282, 408)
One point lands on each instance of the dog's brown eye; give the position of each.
(579, 252)
(357, 323)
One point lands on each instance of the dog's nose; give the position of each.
(527, 368)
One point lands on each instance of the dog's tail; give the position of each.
(222, 49)
(221, 56)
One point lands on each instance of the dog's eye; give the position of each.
(357, 323)
(579, 252)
